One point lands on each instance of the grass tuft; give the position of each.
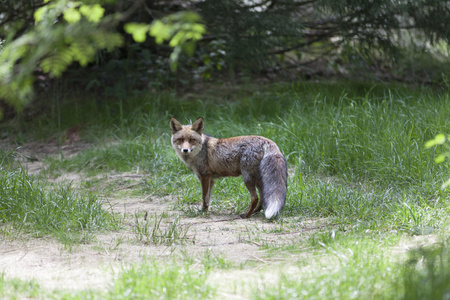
(33, 207)
(152, 280)
(150, 230)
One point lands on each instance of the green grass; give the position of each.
(356, 159)
(18, 289)
(376, 135)
(156, 281)
(149, 229)
(344, 269)
(153, 280)
(34, 207)
(148, 280)
(355, 151)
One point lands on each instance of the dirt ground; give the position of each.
(93, 265)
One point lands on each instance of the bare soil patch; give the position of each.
(94, 265)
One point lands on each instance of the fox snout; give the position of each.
(186, 147)
(186, 150)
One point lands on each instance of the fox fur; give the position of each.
(256, 158)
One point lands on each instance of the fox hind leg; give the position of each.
(259, 206)
(253, 196)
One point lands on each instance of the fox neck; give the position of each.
(188, 158)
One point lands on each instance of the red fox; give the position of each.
(256, 158)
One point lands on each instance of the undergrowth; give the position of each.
(356, 158)
(34, 207)
(355, 151)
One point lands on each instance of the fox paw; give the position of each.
(243, 216)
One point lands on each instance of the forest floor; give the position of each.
(93, 264)
(365, 215)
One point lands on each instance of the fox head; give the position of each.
(187, 140)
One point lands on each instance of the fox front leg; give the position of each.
(207, 185)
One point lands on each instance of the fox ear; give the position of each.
(175, 125)
(198, 125)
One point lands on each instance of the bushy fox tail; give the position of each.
(273, 172)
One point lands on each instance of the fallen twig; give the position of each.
(213, 221)
(127, 187)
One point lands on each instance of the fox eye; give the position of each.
(191, 141)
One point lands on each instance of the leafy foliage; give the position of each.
(53, 45)
(181, 29)
(251, 34)
(236, 36)
(67, 31)
(254, 30)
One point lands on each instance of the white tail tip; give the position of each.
(272, 209)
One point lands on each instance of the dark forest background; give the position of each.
(115, 47)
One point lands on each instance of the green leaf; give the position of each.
(19, 93)
(72, 15)
(94, 13)
(39, 13)
(58, 62)
(107, 40)
(177, 39)
(174, 58)
(199, 28)
(441, 157)
(138, 31)
(438, 140)
(83, 52)
(189, 47)
(160, 31)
